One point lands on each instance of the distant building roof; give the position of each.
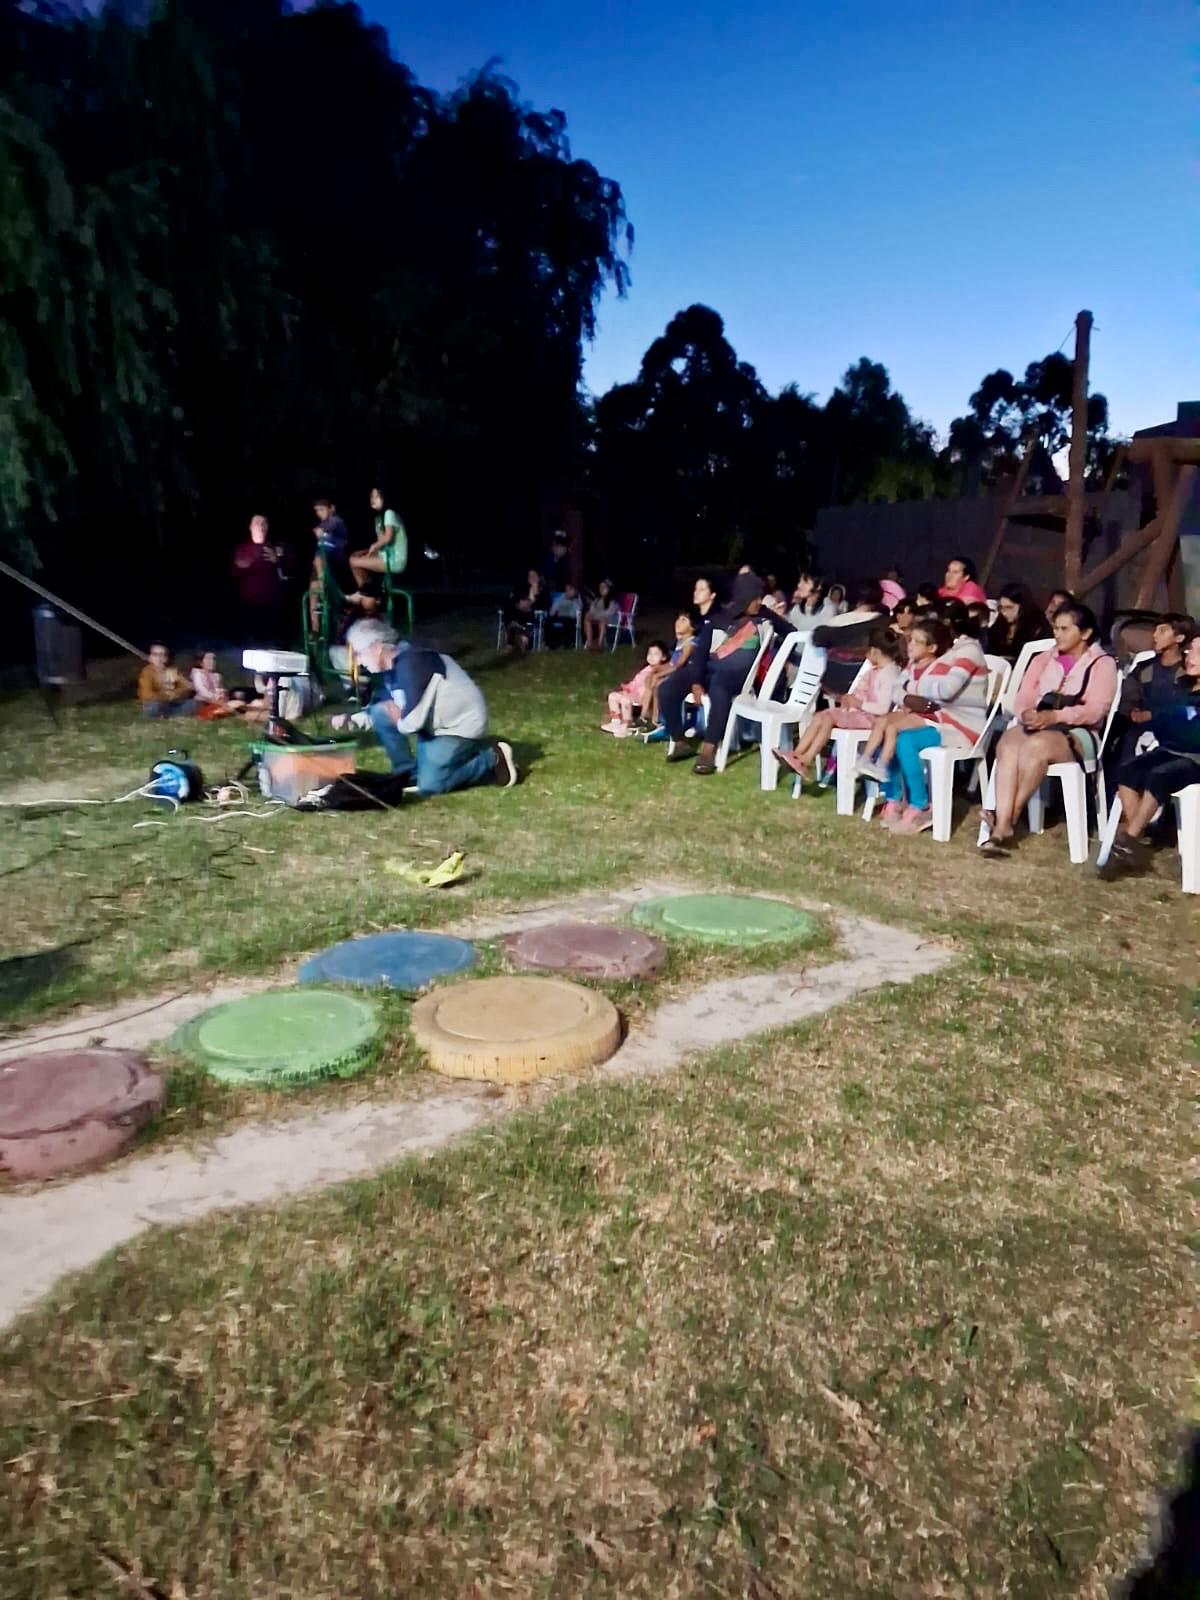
(1185, 426)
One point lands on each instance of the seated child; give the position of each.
(685, 641)
(562, 618)
(208, 687)
(859, 709)
(603, 611)
(926, 642)
(622, 701)
(162, 690)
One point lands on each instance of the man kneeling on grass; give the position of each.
(428, 695)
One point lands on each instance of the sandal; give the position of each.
(996, 849)
(789, 759)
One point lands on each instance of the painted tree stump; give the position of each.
(283, 1038)
(513, 1030)
(729, 919)
(587, 950)
(72, 1108)
(401, 960)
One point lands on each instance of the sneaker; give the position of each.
(613, 727)
(656, 735)
(891, 814)
(1122, 859)
(506, 771)
(678, 752)
(871, 769)
(914, 821)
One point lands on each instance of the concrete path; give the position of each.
(60, 1228)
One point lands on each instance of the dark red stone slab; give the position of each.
(586, 950)
(72, 1108)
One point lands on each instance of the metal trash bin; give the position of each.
(57, 646)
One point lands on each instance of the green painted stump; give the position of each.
(730, 919)
(283, 1038)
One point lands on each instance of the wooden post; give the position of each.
(1164, 547)
(1076, 502)
(1014, 494)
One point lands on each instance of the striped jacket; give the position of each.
(958, 681)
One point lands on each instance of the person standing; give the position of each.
(427, 696)
(258, 574)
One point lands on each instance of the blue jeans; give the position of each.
(908, 774)
(442, 762)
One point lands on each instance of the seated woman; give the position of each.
(859, 708)
(1019, 619)
(960, 583)
(720, 670)
(603, 610)
(1058, 715)
(389, 552)
(943, 700)
(1146, 783)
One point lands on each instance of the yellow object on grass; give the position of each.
(446, 872)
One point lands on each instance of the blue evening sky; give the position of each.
(939, 186)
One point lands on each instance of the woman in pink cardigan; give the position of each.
(1058, 715)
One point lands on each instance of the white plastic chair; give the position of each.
(773, 716)
(847, 746)
(1187, 814)
(628, 604)
(943, 760)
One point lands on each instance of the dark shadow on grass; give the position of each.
(21, 977)
(1173, 1573)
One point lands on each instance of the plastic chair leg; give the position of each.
(941, 788)
(1187, 810)
(1035, 812)
(871, 789)
(726, 743)
(846, 781)
(1109, 832)
(772, 735)
(1074, 786)
(989, 803)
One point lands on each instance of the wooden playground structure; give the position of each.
(1173, 462)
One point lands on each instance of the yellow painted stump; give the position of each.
(512, 1030)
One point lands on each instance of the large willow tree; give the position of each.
(245, 255)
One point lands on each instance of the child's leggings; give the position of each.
(908, 774)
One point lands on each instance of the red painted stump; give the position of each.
(72, 1108)
(586, 951)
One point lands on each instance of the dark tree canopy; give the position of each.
(246, 256)
(986, 444)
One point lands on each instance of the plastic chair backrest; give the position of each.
(1108, 721)
(999, 672)
(1035, 647)
(784, 649)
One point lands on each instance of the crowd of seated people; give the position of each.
(912, 671)
(546, 609)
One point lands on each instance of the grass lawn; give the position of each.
(895, 1302)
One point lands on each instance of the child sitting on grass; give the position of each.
(162, 690)
(208, 687)
(634, 695)
(870, 700)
